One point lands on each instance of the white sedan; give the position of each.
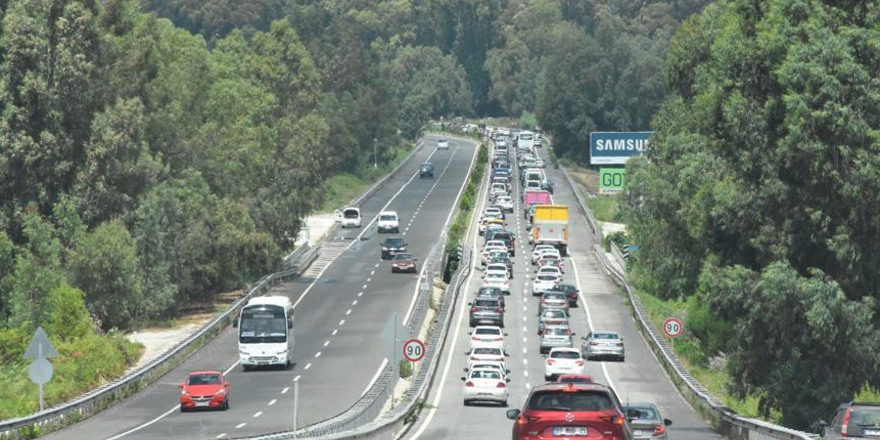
(485, 354)
(485, 385)
(551, 270)
(505, 202)
(539, 250)
(497, 366)
(563, 360)
(544, 283)
(487, 336)
(497, 279)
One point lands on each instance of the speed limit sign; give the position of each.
(413, 350)
(673, 327)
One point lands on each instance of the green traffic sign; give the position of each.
(612, 180)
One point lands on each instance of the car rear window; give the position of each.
(546, 277)
(554, 296)
(496, 275)
(865, 417)
(487, 331)
(394, 242)
(645, 413)
(403, 257)
(485, 374)
(487, 350)
(605, 336)
(554, 314)
(486, 303)
(558, 400)
(565, 354)
(556, 331)
(489, 291)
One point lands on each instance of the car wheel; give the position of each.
(471, 324)
(622, 358)
(547, 378)
(247, 367)
(504, 404)
(467, 402)
(182, 409)
(226, 405)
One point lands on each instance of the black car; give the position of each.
(426, 170)
(570, 291)
(391, 246)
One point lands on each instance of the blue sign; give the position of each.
(616, 147)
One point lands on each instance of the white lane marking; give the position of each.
(525, 339)
(377, 265)
(334, 332)
(525, 308)
(525, 361)
(240, 425)
(365, 286)
(577, 280)
(308, 365)
(525, 350)
(354, 303)
(326, 343)
(258, 414)
(342, 322)
(528, 386)
(373, 272)
(360, 294)
(296, 379)
(318, 354)
(221, 435)
(524, 319)
(138, 428)
(286, 389)
(348, 312)
(461, 312)
(525, 373)
(272, 402)
(376, 376)
(525, 329)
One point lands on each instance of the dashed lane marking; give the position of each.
(318, 354)
(240, 425)
(308, 365)
(272, 402)
(296, 379)
(286, 389)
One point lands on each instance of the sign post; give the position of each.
(612, 180)
(40, 370)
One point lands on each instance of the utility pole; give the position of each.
(375, 153)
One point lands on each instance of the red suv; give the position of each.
(204, 390)
(581, 410)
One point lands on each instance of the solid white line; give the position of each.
(258, 414)
(376, 376)
(272, 402)
(577, 280)
(138, 428)
(286, 389)
(240, 425)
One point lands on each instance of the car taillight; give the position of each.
(499, 339)
(474, 309)
(579, 363)
(550, 362)
(499, 310)
(501, 385)
(475, 338)
(594, 343)
(614, 420)
(845, 422)
(659, 430)
(469, 384)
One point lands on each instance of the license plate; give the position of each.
(637, 432)
(569, 430)
(202, 403)
(872, 432)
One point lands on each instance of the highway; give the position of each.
(341, 305)
(638, 379)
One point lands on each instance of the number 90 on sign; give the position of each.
(673, 327)
(413, 350)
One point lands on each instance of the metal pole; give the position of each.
(295, 405)
(375, 154)
(40, 351)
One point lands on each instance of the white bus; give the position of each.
(265, 332)
(525, 141)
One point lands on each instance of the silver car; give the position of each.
(603, 344)
(553, 300)
(648, 424)
(551, 317)
(555, 336)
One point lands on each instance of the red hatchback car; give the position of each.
(570, 410)
(204, 389)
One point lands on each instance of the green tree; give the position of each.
(37, 271)
(68, 317)
(105, 264)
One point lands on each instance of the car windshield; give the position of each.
(487, 331)
(203, 379)
(607, 336)
(487, 350)
(559, 400)
(351, 213)
(403, 257)
(565, 354)
(486, 303)
(388, 217)
(645, 413)
(394, 242)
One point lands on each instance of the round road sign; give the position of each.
(414, 350)
(40, 371)
(673, 327)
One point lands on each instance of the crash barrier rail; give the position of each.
(105, 396)
(100, 398)
(364, 420)
(618, 255)
(724, 420)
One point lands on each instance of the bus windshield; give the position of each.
(263, 325)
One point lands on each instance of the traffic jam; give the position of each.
(570, 403)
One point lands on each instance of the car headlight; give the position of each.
(220, 392)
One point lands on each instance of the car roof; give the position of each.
(567, 349)
(493, 327)
(553, 386)
(388, 213)
(605, 332)
(205, 372)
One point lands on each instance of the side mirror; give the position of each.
(235, 322)
(226, 385)
(289, 324)
(667, 422)
(507, 380)
(470, 333)
(465, 369)
(506, 371)
(180, 385)
(512, 414)
(470, 303)
(823, 423)
(506, 334)
(463, 378)
(573, 334)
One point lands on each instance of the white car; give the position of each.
(485, 385)
(498, 280)
(496, 243)
(505, 202)
(349, 217)
(540, 250)
(550, 270)
(489, 249)
(388, 222)
(563, 360)
(544, 283)
(485, 354)
(442, 144)
(540, 163)
(499, 267)
(488, 336)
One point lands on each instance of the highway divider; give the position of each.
(723, 419)
(103, 397)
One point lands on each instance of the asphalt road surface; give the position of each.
(601, 307)
(341, 305)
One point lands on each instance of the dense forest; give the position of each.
(759, 201)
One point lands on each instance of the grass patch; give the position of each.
(605, 208)
(344, 187)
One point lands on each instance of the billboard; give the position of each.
(616, 147)
(612, 180)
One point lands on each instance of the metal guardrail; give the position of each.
(725, 420)
(100, 398)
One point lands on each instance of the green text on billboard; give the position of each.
(612, 180)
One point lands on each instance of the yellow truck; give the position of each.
(550, 226)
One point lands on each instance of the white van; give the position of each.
(349, 217)
(388, 222)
